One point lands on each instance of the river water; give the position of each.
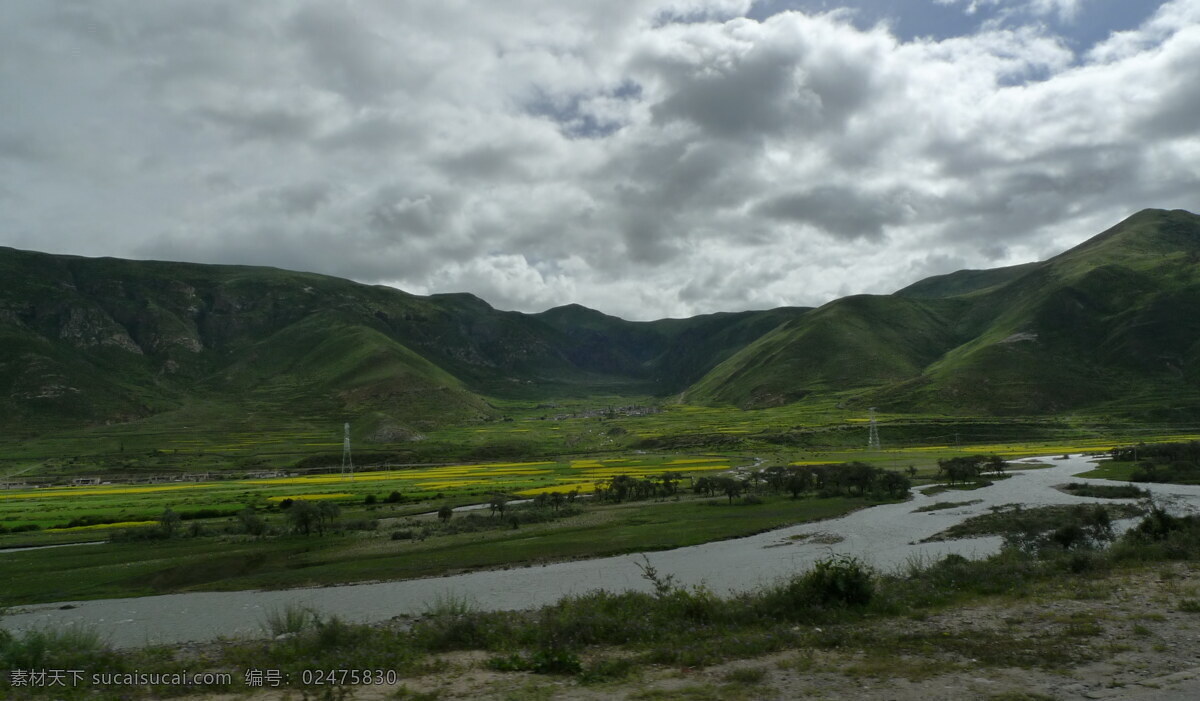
(885, 536)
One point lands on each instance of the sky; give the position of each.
(647, 158)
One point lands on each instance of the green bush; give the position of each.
(839, 581)
(69, 648)
(602, 671)
(1160, 536)
(834, 583)
(289, 620)
(541, 661)
(453, 622)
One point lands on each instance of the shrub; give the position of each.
(836, 582)
(840, 580)
(1160, 536)
(251, 522)
(289, 620)
(452, 622)
(602, 671)
(72, 647)
(360, 524)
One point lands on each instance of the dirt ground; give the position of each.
(1127, 636)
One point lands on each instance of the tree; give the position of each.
(776, 477)
(394, 498)
(894, 483)
(169, 522)
(731, 487)
(251, 522)
(797, 482)
(858, 475)
(327, 511)
(445, 513)
(498, 503)
(960, 469)
(669, 480)
(619, 489)
(303, 516)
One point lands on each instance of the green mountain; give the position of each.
(1109, 326)
(89, 341)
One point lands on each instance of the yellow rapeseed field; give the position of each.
(451, 485)
(98, 526)
(90, 491)
(583, 487)
(310, 497)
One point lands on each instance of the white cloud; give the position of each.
(647, 158)
(1063, 10)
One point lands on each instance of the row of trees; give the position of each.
(499, 503)
(620, 488)
(842, 479)
(1162, 462)
(304, 517)
(849, 479)
(1159, 452)
(307, 516)
(970, 467)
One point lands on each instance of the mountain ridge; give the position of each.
(94, 340)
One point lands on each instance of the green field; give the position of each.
(210, 437)
(210, 552)
(53, 508)
(570, 446)
(236, 562)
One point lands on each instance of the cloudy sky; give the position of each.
(647, 158)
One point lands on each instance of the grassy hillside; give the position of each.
(963, 282)
(1106, 320)
(97, 341)
(852, 342)
(1107, 325)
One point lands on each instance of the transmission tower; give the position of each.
(873, 436)
(347, 460)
